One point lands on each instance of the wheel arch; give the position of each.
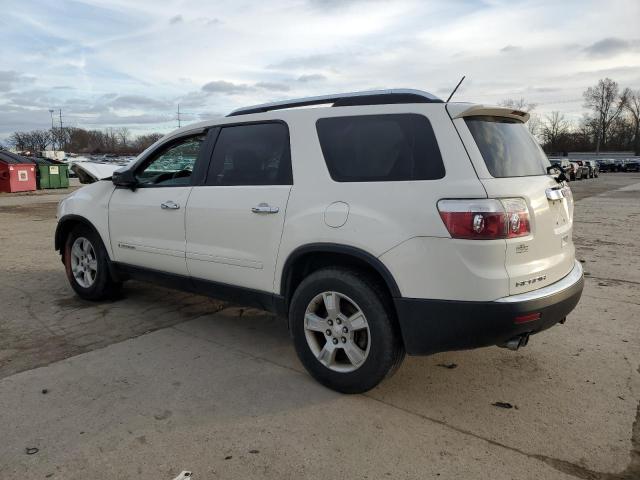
(65, 225)
(310, 257)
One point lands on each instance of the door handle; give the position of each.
(169, 205)
(264, 208)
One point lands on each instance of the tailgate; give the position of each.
(510, 164)
(547, 254)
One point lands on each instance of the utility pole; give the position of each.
(53, 138)
(61, 130)
(178, 115)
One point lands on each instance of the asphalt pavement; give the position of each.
(159, 381)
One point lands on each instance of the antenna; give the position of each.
(455, 89)
(178, 115)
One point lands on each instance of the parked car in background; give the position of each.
(618, 165)
(583, 170)
(576, 172)
(593, 168)
(632, 165)
(605, 164)
(563, 164)
(389, 222)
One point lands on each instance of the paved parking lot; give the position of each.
(159, 381)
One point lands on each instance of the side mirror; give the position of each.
(125, 178)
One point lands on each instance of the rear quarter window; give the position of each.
(379, 148)
(507, 147)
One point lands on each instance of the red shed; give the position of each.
(17, 174)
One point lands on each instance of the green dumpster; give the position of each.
(51, 174)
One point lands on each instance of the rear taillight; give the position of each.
(485, 219)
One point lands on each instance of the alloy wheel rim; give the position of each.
(337, 332)
(84, 263)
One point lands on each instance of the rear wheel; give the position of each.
(344, 330)
(87, 265)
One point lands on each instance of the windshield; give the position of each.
(507, 147)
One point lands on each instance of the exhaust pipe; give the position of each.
(516, 342)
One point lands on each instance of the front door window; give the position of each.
(172, 166)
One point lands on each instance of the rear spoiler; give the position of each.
(460, 110)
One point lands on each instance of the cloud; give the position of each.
(122, 59)
(210, 21)
(612, 46)
(138, 101)
(510, 48)
(222, 86)
(9, 78)
(323, 4)
(316, 60)
(142, 119)
(312, 77)
(274, 86)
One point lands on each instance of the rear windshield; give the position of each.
(507, 147)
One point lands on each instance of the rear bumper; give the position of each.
(431, 326)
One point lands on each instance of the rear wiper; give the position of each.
(561, 177)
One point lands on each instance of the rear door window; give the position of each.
(254, 154)
(507, 147)
(379, 148)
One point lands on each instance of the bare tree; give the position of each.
(534, 124)
(553, 128)
(18, 140)
(632, 106)
(59, 137)
(39, 140)
(518, 104)
(34, 141)
(607, 104)
(123, 136)
(110, 140)
(521, 104)
(144, 141)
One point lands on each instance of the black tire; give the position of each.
(386, 350)
(103, 286)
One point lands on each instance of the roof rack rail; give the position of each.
(368, 97)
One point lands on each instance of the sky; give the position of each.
(114, 63)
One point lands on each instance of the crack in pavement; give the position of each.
(605, 279)
(29, 309)
(632, 472)
(616, 300)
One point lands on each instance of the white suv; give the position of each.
(387, 222)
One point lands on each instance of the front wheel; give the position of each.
(344, 330)
(87, 265)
